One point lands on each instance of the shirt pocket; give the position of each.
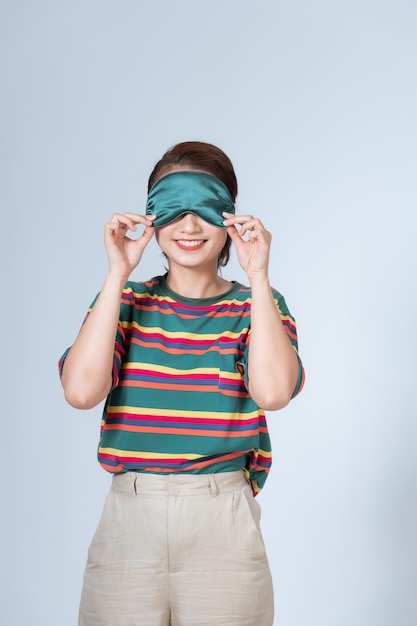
(232, 369)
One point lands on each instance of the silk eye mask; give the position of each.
(178, 193)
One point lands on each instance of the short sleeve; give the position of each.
(291, 330)
(121, 335)
(290, 326)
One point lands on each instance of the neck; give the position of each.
(196, 284)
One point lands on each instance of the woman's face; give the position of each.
(190, 241)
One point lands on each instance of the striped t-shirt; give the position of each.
(179, 400)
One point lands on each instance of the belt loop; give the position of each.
(213, 486)
(134, 491)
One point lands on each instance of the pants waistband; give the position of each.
(135, 483)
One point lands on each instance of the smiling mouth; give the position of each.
(189, 244)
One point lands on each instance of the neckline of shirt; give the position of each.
(198, 301)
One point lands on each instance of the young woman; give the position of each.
(187, 362)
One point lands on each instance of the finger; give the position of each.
(238, 219)
(147, 234)
(234, 235)
(121, 221)
(250, 226)
(128, 221)
(246, 222)
(253, 229)
(140, 219)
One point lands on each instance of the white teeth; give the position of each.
(190, 244)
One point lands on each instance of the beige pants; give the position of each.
(178, 550)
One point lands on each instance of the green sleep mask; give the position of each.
(178, 193)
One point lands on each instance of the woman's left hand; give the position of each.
(252, 250)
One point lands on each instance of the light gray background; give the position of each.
(315, 102)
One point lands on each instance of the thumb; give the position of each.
(147, 234)
(233, 233)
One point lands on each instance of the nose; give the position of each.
(190, 223)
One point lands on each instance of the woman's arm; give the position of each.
(87, 370)
(273, 365)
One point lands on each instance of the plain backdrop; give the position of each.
(315, 102)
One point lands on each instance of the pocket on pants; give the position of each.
(104, 539)
(247, 518)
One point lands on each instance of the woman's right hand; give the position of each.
(124, 253)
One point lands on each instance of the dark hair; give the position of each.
(200, 156)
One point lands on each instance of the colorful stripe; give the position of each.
(179, 400)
